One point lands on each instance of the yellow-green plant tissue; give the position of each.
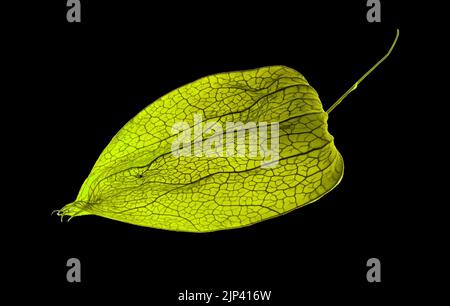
(225, 151)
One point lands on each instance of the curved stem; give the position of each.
(364, 76)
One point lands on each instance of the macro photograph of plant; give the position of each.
(224, 153)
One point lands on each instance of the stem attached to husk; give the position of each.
(364, 76)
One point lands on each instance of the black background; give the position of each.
(89, 79)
